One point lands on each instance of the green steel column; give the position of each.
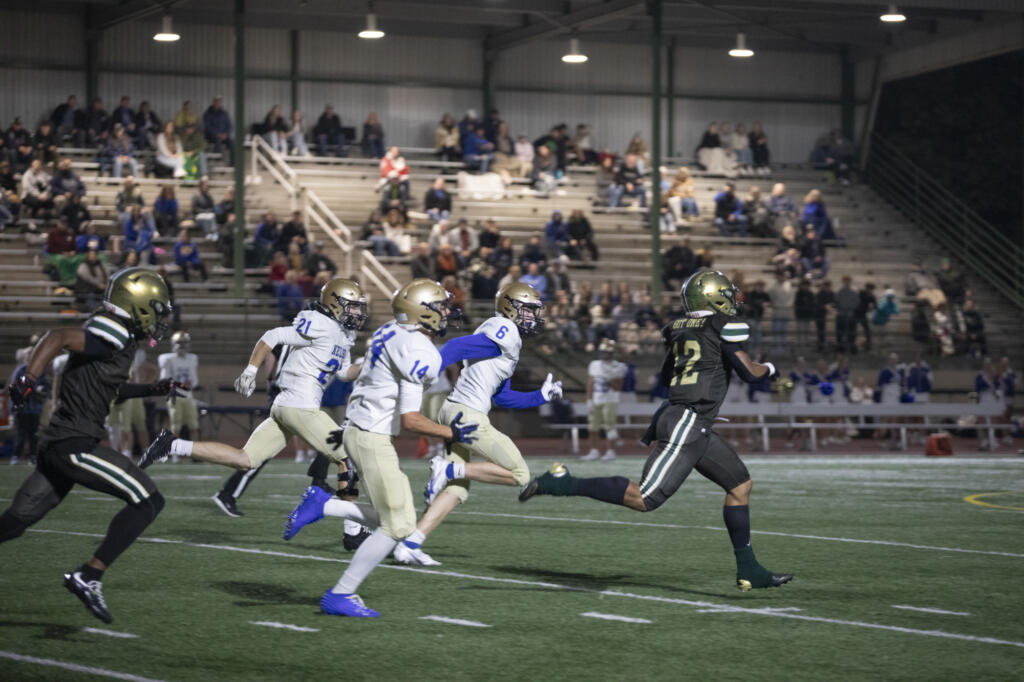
(670, 94)
(293, 72)
(847, 96)
(653, 212)
(92, 58)
(488, 81)
(238, 154)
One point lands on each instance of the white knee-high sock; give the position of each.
(353, 527)
(352, 511)
(373, 551)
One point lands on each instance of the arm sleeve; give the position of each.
(517, 400)
(730, 350)
(129, 391)
(472, 347)
(287, 336)
(97, 347)
(410, 396)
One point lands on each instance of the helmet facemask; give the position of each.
(162, 323)
(354, 313)
(529, 316)
(448, 317)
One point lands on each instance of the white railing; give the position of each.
(264, 155)
(316, 213)
(374, 271)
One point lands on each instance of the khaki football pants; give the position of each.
(271, 436)
(183, 412)
(603, 416)
(383, 480)
(490, 444)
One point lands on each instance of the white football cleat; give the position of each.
(438, 478)
(591, 456)
(416, 557)
(608, 456)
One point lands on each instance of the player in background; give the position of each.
(490, 356)
(604, 379)
(321, 338)
(703, 350)
(182, 367)
(127, 418)
(26, 419)
(135, 309)
(401, 361)
(1008, 385)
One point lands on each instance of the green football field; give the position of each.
(897, 577)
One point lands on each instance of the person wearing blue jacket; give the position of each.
(556, 234)
(729, 217)
(815, 214)
(217, 128)
(919, 380)
(476, 150)
(139, 231)
(186, 254)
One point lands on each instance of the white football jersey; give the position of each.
(184, 370)
(603, 373)
(398, 366)
(308, 368)
(481, 379)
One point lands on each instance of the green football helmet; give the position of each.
(140, 297)
(711, 291)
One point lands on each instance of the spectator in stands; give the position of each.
(781, 209)
(942, 330)
(729, 218)
(804, 311)
(60, 253)
(485, 284)
(89, 240)
(629, 182)
(446, 139)
(296, 135)
(121, 151)
(812, 255)
(711, 155)
(193, 144)
(75, 213)
(787, 256)
(266, 236)
(147, 126)
(756, 213)
(491, 125)
(834, 154)
(921, 323)
(18, 145)
(506, 162)
(759, 148)
(186, 253)
(678, 263)
(638, 148)
(545, 171)
(169, 153)
(463, 239)
(318, 262)
(581, 236)
(275, 130)
(558, 275)
(921, 285)
(393, 163)
(65, 183)
(605, 178)
(373, 136)
(165, 211)
(217, 129)
(556, 235)
(44, 145)
(394, 195)
(7, 211)
(824, 301)
(952, 282)
(69, 122)
(397, 232)
(289, 297)
(555, 141)
(91, 278)
(437, 201)
(204, 209)
(502, 257)
(974, 330)
(457, 297)
(886, 308)
(781, 296)
(139, 231)
(477, 151)
(533, 252)
(754, 302)
(97, 124)
(682, 196)
(740, 144)
(866, 303)
(535, 279)
(278, 269)
(705, 258)
(130, 195)
(187, 114)
(328, 131)
(36, 190)
(225, 207)
(815, 214)
(124, 115)
(490, 236)
(294, 232)
(446, 263)
(421, 264)
(525, 153)
(582, 146)
(468, 123)
(847, 301)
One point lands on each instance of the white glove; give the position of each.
(551, 389)
(772, 372)
(245, 384)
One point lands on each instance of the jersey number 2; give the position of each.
(691, 350)
(332, 367)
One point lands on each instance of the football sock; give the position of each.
(737, 521)
(562, 486)
(318, 468)
(455, 470)
(231, 485)
(127, 525)
(181, 447)
(414, 540)
(353, 511)
(353, 527)
(374, 550)
(610, 489)
(89, 573)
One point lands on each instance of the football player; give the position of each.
(135, 309)
(321, 338)
(401, 361)
(604, 380)
(182, 367)
(703, 350)
(490, 356)
(127, 418)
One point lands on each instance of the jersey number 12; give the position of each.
(691, 351)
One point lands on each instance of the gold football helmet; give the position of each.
(181, 340)
(521, 303)
(424, 303)
(344, 300)
(140, 297)
(712, 291)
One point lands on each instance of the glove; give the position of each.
(21, 389)
(551, 389)
(168, 387)
(245, 384)
(462, 433)
(772, 372)
(334, 440)
(347, 481)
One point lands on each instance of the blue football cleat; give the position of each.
(310, 510)
(345, 605)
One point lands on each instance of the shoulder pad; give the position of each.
(108, 328)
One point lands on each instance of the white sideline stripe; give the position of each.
(456, 621)
(718, 529)
(568, 588)
(282, 626)
(89, 670)
(611, 616)
(927, 610)
(735, 609)
(110, 633)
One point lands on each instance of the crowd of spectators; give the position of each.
(725, 151)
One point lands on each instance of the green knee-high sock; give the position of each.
(560, 486)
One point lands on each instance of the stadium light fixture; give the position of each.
(166, 33)
(741, 49)
(371, 32)
(574, 56)
(893, 16)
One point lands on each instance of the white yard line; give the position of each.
(282, 626)
(456, 621)
(922, 609)
(89, 670)
(605, 593)
(110, 633)
(611, 616)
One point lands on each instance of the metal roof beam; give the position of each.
(591, 15)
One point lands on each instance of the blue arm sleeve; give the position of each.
(472, 347)
(517, 400)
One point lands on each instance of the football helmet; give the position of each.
(711, 291)
(521, 303)
(344, 300)
(181, 341)
(606, 348)
(140, 297)
(425, 304)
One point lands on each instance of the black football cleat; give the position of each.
(761, 580)
(352, 542)
(227, 504)
(158, 450)
(91, 594)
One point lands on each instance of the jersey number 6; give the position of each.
(691, 350)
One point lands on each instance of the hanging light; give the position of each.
(741, 49)
(893, 16)
(574, 56)
(371, 32)
(166, 33)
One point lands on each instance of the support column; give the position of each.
(238, 155)
(847, 94)
(488, 81)
(670, 94)
(92, 58)
(293, 71)
(653, 214)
